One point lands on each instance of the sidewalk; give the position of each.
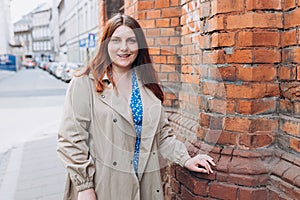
(32, 171)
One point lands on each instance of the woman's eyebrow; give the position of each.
(132, 37)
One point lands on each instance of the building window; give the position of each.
(113, 7)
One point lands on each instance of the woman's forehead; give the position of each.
(123, 31)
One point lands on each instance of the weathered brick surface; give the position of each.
(230, 71)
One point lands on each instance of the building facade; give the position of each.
(78, 29)
(229, 69)
(42, 44)
(22, 35)
(6, 36)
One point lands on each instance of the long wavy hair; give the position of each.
(101, 63)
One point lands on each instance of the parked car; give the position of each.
(52, 67)
(69, 70)
(29, 63)
(28, 60)
(44, 65)
(59, 69)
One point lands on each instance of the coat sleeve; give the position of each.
(73, 134)
(171, 148)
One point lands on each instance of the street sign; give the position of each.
(82, 43)
(91, 40)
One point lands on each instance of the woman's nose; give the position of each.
(123, 45)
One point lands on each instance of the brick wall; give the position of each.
(230, 72)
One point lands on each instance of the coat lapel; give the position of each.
(151, 117)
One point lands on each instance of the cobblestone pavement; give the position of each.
(32, 171)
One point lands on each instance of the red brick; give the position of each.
(194, 184)
(266, 56)
(161, 4)
(285, 106)
(214, 89)
(175, 21)
(162, 23)
(256, 141)
(290, 127)
(286, 73)
(223, 39)
(153, 32)
(175, 3)
(290, 90)
(291, 174)
(280, 168)
(161, 41)
(145, 5)
(289, 4)
(171, 12)
(295, 144)
(296, 54)
(222, 191)
(167, 68)
(218, 105)
(236, 124)
(142, 15)
(251, 39)
(253, 193)
(187, 195)
(289, 38)
(225, 6)
(173, 77)
(147, 23)
(297, 108)
(159, 59)
(223, 73)
(153, 14)
(173, 60)
(250, 166)
(263, 5)
(240, 56)
(227, 138)
(215, 23)
(258, 106)
(292, 19)
(254, 20)
(261, 72)
(154, 51)
(298, 73)
(251, 91)
(213, 57)
(248, 180)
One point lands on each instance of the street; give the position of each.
(31, 103)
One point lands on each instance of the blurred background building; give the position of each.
(6, 36)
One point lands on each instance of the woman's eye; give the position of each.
(132, 40)
(114, 40)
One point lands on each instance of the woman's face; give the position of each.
(123, 47)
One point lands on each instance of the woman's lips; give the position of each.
(124, 55)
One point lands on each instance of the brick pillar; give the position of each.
(231, 53)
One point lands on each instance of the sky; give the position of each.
(22, 7)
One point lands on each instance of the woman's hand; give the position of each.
(88, 194)
(200, 163)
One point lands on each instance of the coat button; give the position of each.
(114, 163)
(157, 190)
(103, 96)
(115, 120)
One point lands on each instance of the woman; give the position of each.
(114, 129)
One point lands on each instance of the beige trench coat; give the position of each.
(96, 144)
